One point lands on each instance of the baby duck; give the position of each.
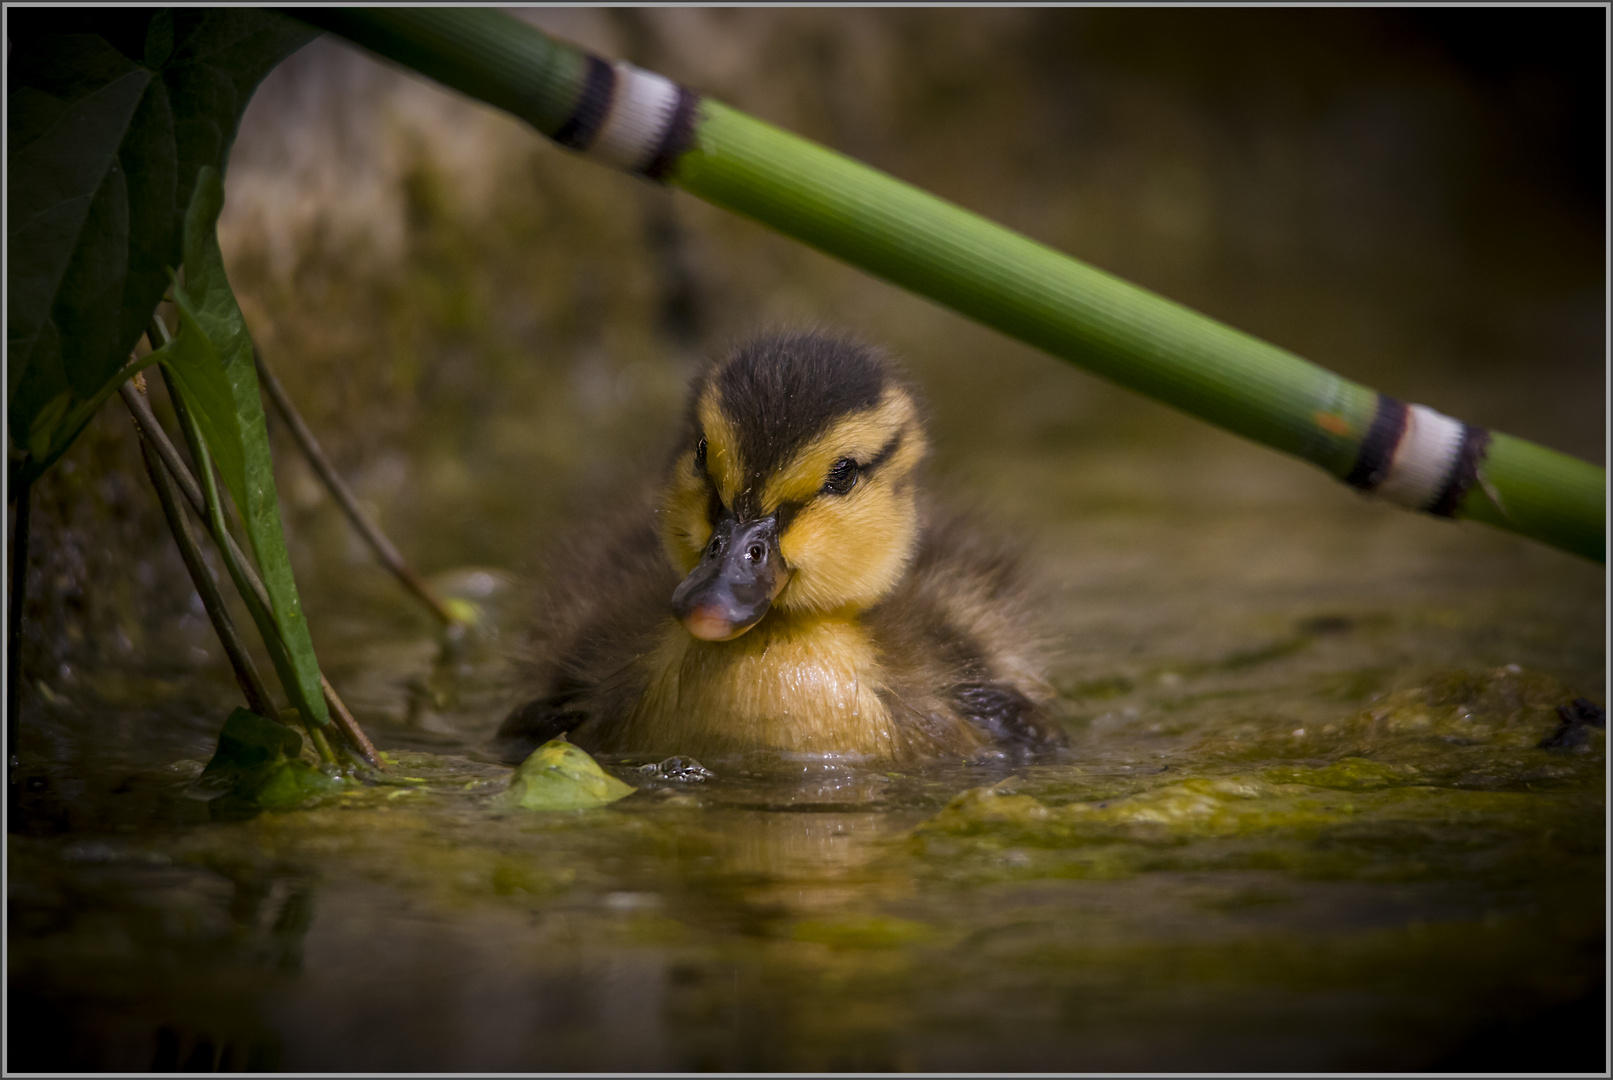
(792, 592)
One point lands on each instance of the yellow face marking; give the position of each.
(685, 528)
(722, 447)
(685, 532)
(859, 436)
(843, 550)
(850, 550)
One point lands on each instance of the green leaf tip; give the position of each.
(559, 776)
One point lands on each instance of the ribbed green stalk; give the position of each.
(489, 55)
(1112, 328)
(1024, 289)
(982, 270)
(1543, 494)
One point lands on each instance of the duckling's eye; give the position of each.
(700, 455)
(842, 477)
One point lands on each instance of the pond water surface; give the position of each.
(1313, 830)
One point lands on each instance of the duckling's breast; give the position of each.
(794, 684)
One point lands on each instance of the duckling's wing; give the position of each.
(965, 624)
(531, 725)
(1013, 721)
(606, 600)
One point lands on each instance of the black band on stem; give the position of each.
(1377, 450)
(593, 106)
(678, 136)
(1464, 471)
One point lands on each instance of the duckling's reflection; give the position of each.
(767, 875)
(801, 848)
(779, 852)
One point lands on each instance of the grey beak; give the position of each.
(737, 579)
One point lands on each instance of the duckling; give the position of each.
(791, 590)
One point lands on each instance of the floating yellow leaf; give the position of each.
(558, 776)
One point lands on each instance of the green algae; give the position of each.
(1349, 774)
(866, 932)
(1455, 788)
(1097, 905)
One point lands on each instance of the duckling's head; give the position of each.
(793, 484)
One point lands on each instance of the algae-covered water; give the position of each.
(1323, 849)
(1306, 821)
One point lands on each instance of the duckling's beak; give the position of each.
(736, 581)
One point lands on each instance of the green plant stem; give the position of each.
(260, 612)
(246, 672)
(1526, 488)
(384, 549)
(321, 745)
(1108, 326)
(489, 55)
(1002, 279)
(192, 491)
(1029, 291)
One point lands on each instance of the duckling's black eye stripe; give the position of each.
(883, 456)
(786, 514)
(593, 105)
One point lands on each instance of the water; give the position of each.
(1305, 822)
(1304, 835)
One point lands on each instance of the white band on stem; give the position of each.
(1423, 461)
(641, 110)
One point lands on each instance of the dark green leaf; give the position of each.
(292, 783)
(211, 360)
(111, 113)
(256, 768)
(249, 743)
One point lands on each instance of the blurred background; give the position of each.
(491, 336)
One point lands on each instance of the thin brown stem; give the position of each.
(169, 456)
(384, 549)
(354, 734)
(246, 673)
(262, 616)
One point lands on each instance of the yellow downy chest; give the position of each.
(794, 684)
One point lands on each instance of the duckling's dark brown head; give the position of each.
(792, 486)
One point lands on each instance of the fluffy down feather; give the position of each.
(904, 633)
